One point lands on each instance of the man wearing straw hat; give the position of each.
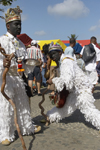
(14, 84)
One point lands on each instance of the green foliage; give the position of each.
(73, 36)
(6, 2)
(1, 11)
(2, 17)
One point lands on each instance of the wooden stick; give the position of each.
(42, 101)
(6, 96)
(42, 108)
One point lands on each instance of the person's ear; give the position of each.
(60, 52)
(8, 26)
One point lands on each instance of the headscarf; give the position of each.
(69, 51)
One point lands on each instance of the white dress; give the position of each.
(15, 89)
(80, 96)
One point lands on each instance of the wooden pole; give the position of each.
(42, 101)
(42, 108)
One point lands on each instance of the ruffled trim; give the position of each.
(57, 114)
(11, 139)
(80, 96)
(66, 77)
(15, 89)
(85, 102)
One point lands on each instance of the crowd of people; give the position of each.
(48, 66)
(72, 77)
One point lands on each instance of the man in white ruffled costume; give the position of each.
(80, 89)
(15, 88)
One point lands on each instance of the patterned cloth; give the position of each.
(35, 53)
(80, 94)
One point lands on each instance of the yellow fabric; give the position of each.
(42, 42)
(68, 58)
(53, 63)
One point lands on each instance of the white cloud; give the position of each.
(69, 8)
(93, 28)
(23, 17)
(40, 33)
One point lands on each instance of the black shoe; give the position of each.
(39, 94)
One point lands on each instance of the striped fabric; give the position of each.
(34, 52)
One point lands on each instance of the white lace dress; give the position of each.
(80, 95)
(15, 89)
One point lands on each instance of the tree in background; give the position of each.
(5, 3)
(2, 11)
(73, 36)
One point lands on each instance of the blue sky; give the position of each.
(58, 19)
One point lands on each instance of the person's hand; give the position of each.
(6, 63)
(40, 61)
(49, 81)
(41, 69)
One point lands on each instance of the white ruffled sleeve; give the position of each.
(66, 77)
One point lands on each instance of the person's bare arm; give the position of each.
(49, 81)
(48, 62)
(44, 65)
(80, 56)
(39, 59)
(97, 62)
